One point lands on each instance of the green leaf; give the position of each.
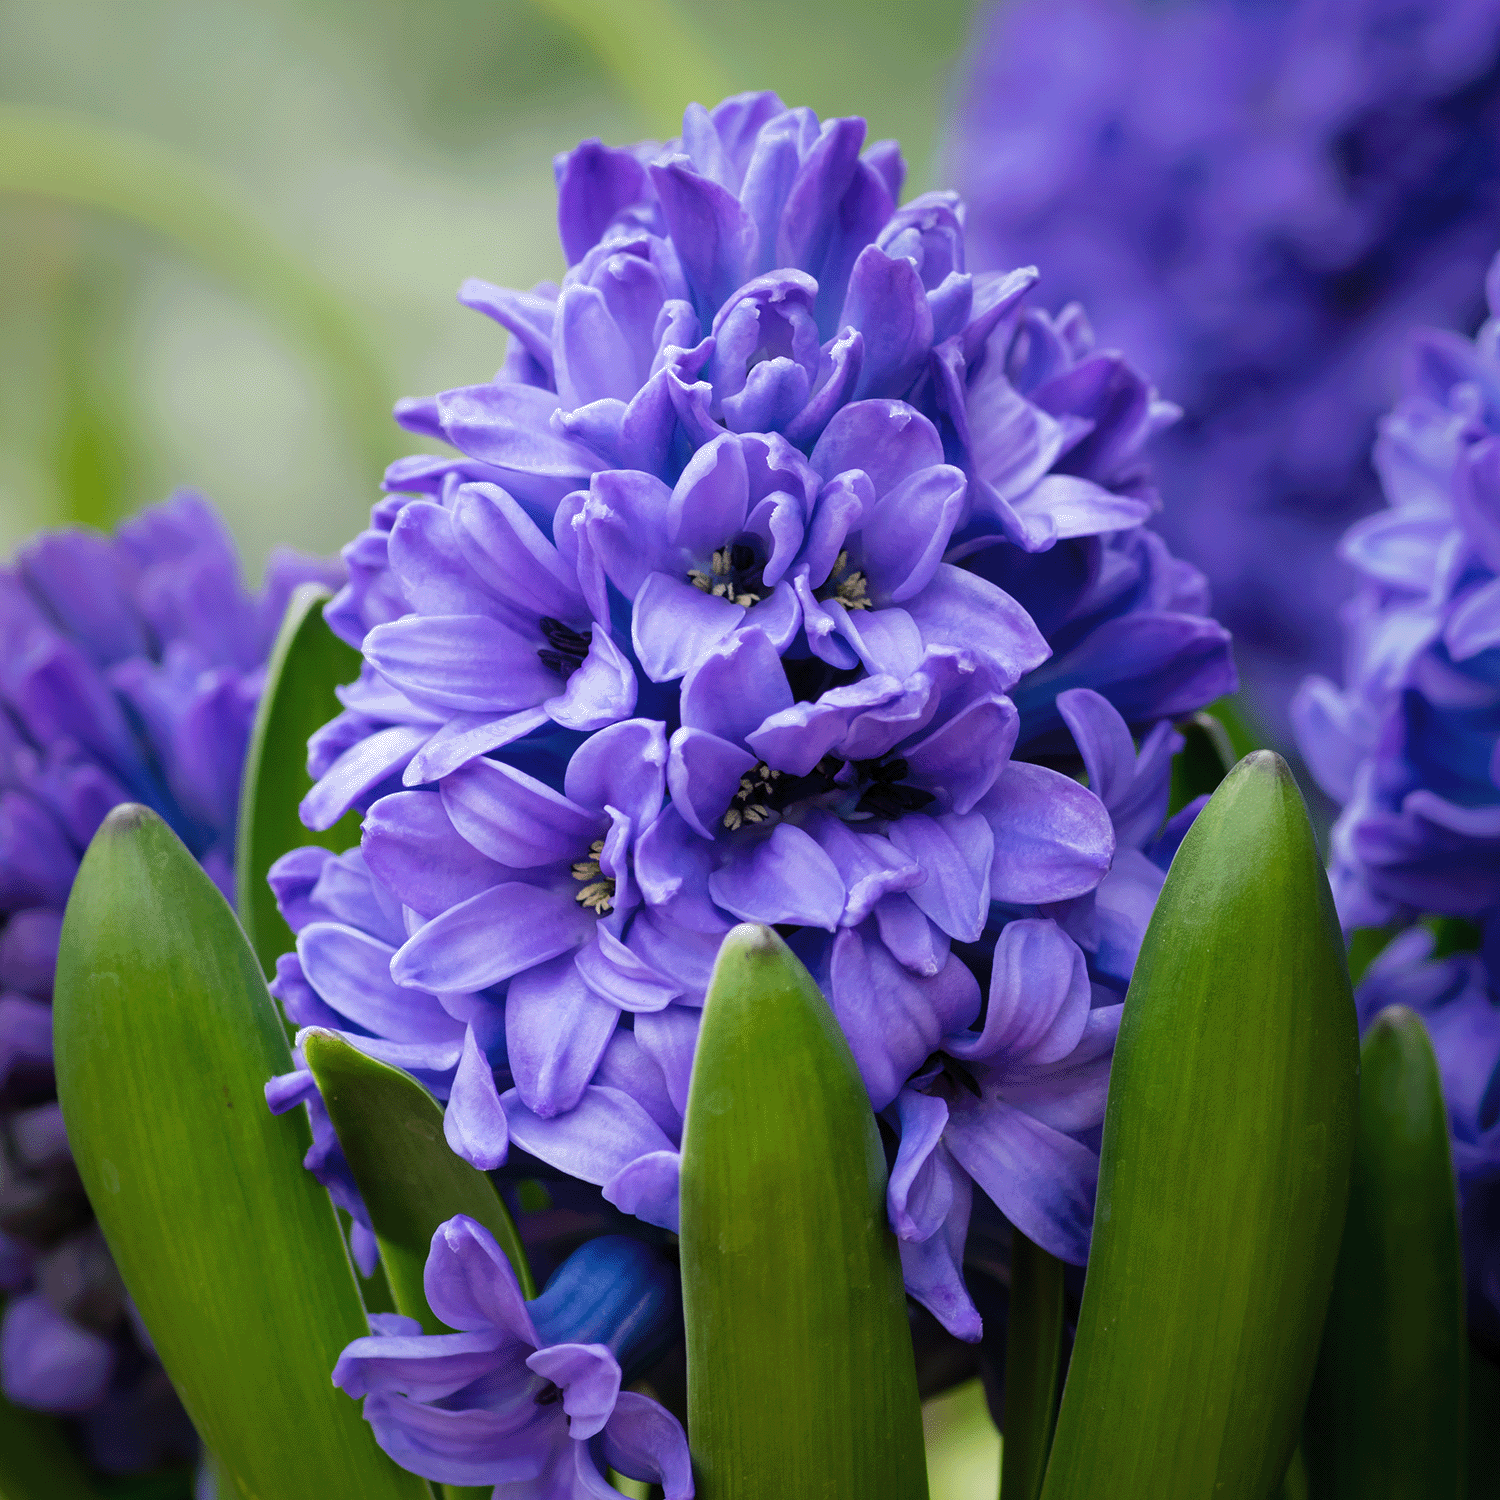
(37, 1462)
(1225, 1169)
(165, 1036)
(411, 1181)
(1033, 1367)
(801, 1378)
(1387, 1411)
(1205, 759)
(307, 663)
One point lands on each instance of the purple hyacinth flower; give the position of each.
(754, 588)
(525, 1393)
(130, 670)
(1411, 746)
(1257, 201)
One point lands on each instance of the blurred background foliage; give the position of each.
(233, 229)
(232, 232)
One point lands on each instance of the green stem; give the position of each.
(1033, 1360)
(62, 157)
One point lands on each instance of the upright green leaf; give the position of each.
(411, 1181)
(1225, 1169)
(307, 663)
(801, 1378)
(165, 1036)
(37, 1462)
(1033, 1366)
(1388, 1405)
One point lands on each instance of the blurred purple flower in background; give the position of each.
(1258, 200)
(786, 572)
(130, 668)
(1410, 746)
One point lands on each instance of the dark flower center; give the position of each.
(736, 576)
(548, 1395)
(850, 589)
(877, 789)
(598, 893)
(567, 647)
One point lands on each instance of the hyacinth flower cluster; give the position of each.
(1410, 746)
(1259, 201)
(787, 572)
(130, 668)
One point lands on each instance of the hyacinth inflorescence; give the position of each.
(1410, 746)
(1259, 201)
(783, 573)
(775, 575)
(130, 668)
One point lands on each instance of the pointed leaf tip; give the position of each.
(1387, 1413)
(801, 1378)
(165, 1036)
(391, 1130)
(1224, 1168)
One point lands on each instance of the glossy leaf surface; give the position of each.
(165, 1036)
(411, 1181)
(1387, 1412)
(801, 1379)
(307, 663)
(1225, 1169)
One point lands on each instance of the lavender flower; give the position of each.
(773, 579)
(525, 1393)
(1411, 745)
(1258, 201)
(130, 667)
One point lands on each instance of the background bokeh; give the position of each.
(231, 232)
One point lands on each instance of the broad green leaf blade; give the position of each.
(1225, 1169)
(165, 1036)
(1033, 1365)
(37, 1462)
(307, 663)
(1387, 1411)
(391, 1130)
(801, 1378)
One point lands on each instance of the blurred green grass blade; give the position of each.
(68, 158)
(1033, 1365)
(801, 1378)
(1206, 757)
(656, 52)
(1386, 1418)
(1225, 1169)
(411, 1181)
(307, 663)
(37, 1462)
(165, 1036)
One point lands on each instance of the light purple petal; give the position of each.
(490, 937)
(784, 878)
